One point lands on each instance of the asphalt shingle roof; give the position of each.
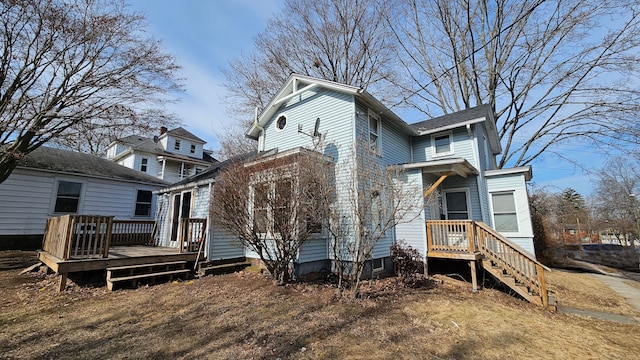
(70, 162)
(452, 119)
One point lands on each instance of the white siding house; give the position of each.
(51, 182)
(173, 155)
(456, 150)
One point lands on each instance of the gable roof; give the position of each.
(180, 132)
(478, 114)
(297, 84)
(79, 164)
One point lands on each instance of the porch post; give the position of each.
(474, 276)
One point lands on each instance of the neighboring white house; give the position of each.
(173, 155)
(51, 182)
(455, 151)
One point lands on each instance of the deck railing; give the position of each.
(451, 236)
(132, 232)
(90, 236)
(467, 236)
(78, 236)
(192, 235)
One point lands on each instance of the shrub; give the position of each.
(408, 262)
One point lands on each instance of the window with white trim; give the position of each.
(374, 133)
(143, 203)
(193, 149)
(505, 216)
(144, 163)
(377, 264)
(281, 123)
(68, 197)
(260, 207)
(442, 144)
(176, 145)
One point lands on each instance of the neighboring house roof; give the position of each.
(297, 84)
(184, 134)
(481, 113)
(79, 164)
(210, 174)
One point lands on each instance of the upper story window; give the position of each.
(143, 203)
(442, 144)
(193, 149)
(68, 197)
(374, 133)
(144, 162)
(281, 123)
(176, 145)
(504, 211)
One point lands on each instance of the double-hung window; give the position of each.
(144, 162)
(68, 197)
(374, 133)
(260, 207)
(143, 203)
(504, 211)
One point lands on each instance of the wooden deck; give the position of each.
(118, 256)
(76, 243)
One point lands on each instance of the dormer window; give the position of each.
(144, 162)
(193, 149)
(442, 144)
(176, 145)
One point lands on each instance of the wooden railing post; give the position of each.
(543, 286)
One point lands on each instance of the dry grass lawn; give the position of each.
(243, 316)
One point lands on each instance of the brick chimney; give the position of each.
(163, 130)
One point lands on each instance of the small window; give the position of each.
(193, 149)
(143, 164)
(176, 145)
(377, 264)
(68, 197)
(374, 133)
(281, 123)
(504, 212)
(143, 203)
(442, 144)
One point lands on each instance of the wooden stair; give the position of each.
(154, 272)
(222, 266)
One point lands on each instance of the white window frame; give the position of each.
(270, 216)
(135, 204)
(144, 164)
(375, 269)
(514, 212)
(433, 144)
(457, 190)
(83, 187)
(377, 149)
(286, 122)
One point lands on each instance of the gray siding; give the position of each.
(462, 147)
(223, 245)
(313, 250)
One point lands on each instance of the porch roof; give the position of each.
(458, 166)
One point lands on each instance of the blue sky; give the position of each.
(205, 35)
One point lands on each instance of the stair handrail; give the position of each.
(534, 277)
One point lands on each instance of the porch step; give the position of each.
(511, 282)
(154, 272)
(223, 268)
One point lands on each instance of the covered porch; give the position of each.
(77, 243)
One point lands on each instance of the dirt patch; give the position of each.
(16, 259)
(246, 316)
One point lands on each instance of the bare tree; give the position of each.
(551, 70)
(272, 205)
(370, 202)
(617, 189)
(70, 67)
(343, 41)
